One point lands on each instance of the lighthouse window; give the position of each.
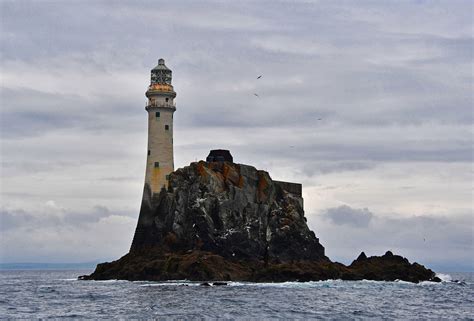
(157, 114)
(167, 99)
(149, 152)
(167, 127)
(157, 164)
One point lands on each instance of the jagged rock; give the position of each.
(229, 209)
(361, 257)
(390, 267)
(221, 221)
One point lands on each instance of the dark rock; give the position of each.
(223, 221)
(361, 257)
(219, 283)
(229, 209)
(390, 267)
(205, 284)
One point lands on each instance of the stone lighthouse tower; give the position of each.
(159, 164)
(160, 108)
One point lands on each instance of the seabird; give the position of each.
(257, 95)
(259, 77)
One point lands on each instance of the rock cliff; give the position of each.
(232, 210)
(225, 221)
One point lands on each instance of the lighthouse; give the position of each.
(160, 107)
(159, 163)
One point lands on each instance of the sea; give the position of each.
(34, 294)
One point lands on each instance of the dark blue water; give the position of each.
(43, 294)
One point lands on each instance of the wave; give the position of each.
(110, 281)
(289, 284)
(171, 283)
(444, 277)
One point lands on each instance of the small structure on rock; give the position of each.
(219, 155)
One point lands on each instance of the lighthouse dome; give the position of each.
(161, 65)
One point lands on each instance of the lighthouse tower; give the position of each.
(159, 163)
(160, 108)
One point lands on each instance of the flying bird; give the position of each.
(257, 95)
(259, 77)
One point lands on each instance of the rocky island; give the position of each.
(222, 221)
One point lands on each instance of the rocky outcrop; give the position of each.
(389, 267)
(233, 210)
(155, 264)
(222, 221)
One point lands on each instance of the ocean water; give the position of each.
(58, 294)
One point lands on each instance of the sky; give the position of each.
(368, 104)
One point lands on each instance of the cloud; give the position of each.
(12, 219)
(52, 215)
(444, 243)
(54, 233)
(345, 215)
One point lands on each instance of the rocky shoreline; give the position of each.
(220, 221)
(155, 265)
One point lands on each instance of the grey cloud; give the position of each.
(349, 90)
(38, 113)
(31, 114)
(326, 167)
(444, 243)
(11, 219)
(54, 234)
(59, 29)
(345, 215)
(349, 153)
(31, 166)
(121, 178)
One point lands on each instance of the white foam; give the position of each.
(171, 283)
(309, 284)
(444, 277)
(403, 282)
(110, 281)
(289, 284)
(429, 283)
